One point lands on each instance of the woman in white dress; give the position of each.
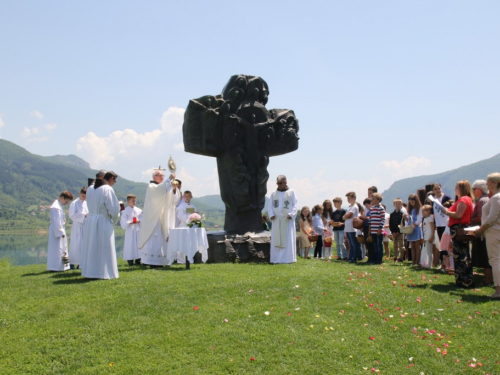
(98, 257)
(58, 242)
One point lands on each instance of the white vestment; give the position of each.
(281, 209)
(98, 255)
(57, 244)
(181, 215)
(132, 231)
(77, 212)
(158, 218)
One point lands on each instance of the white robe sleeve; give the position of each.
(75, 213)
(270, 208)
(112, 205)
(125, 220)
(58, 226)
(293, 211)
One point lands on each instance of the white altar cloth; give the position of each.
(188, 241)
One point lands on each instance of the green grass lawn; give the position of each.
(322, 318)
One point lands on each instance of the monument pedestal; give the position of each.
(248, 247)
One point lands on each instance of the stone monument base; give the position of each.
(249, 247)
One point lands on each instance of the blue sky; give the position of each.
(383, 89)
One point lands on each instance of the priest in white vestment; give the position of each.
(77, 213)
(158, 217)
(58, 241)
(98, 256)
(282, 210)
(130, 220)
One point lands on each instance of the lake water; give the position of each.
(22, 250)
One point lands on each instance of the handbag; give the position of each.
(313, 238)
(369, 239)
(406, 230)
(360, 239)
(357, 223)
(462, 235)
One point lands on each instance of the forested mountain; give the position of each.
(29, 183)
(472, 172)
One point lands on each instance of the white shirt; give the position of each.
(440, 218)
(348, 223)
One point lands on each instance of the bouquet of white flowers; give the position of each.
(195, 220)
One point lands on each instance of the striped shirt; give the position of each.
(377, 218)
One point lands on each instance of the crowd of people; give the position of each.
(430, 230)
(94, 214)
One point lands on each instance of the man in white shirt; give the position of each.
(350, 231)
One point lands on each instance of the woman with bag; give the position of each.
(479, 252)
(490, 228)
(460, 215)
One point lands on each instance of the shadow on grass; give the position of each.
(36, 273)
(66, 274)
(80, 280)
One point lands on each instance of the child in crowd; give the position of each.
(58, 242)
(395, 220)
(78, 212)
(130, 220)
(359, 233)
(387, 233)
(338, 228)
(328, 237)
(428, 229)
(350, 231)
(377, 220)
(319, 228)
(414, 217)
(305, 223)
(366, 230)
(446, 245)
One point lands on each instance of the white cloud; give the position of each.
(102, 151)
(27, 132)
(407, 168)
(37, 114)
(128, 146)
(50, 127)
(171, 120)
(199, 186)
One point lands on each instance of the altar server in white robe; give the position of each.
(98, 256)
(159, 216)
(184, 209)
(282, 210)
(58, 242)
(130, 220)
(77, 213)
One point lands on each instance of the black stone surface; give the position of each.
(238, 129)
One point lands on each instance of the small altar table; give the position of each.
(188, 241)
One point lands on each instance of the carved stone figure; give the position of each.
(238, 129)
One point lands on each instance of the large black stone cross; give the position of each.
(238, 129)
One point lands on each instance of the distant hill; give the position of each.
(71, 160)
(30, 182)
(479, 170)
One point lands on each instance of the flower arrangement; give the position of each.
(195, 220)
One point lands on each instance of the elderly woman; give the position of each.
(490, 228)
(460, 214)
(479, 253)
